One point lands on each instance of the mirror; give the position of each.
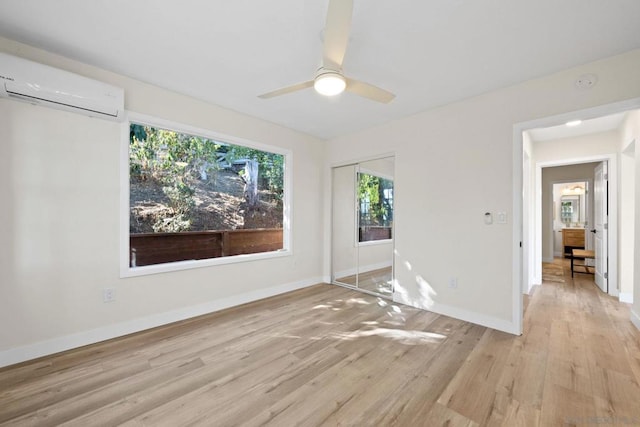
(344, 253)
(570, 209)
(362, 246)
(375, 225)
(570, 204)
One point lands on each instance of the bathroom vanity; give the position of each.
(572, 238)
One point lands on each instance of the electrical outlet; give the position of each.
(453, 283)
(108, 295)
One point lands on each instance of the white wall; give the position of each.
(52, 270)
(468, 147)
(595, 144)
(630, 266)
(59, 186)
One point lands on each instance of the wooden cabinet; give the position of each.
(572, 238)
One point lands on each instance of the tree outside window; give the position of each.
(196, 198)
(375, 196)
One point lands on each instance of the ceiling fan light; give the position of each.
(329, 84)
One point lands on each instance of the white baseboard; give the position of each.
(532, 289)
(466, 315)
(68, 342)
(528, 291)
(635, 319)
(533, 281)
(626, 297)
(547, 259)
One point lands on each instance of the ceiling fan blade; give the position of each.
(369, 91)
(286, 90)
(336, 33)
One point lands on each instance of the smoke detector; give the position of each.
(586, 81)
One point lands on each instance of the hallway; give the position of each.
(589, 350)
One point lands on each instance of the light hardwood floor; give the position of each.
(331, 356)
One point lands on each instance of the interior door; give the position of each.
(600, 219)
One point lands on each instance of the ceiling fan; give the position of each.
(329, 79)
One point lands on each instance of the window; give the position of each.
(193, 197)
(375, 195)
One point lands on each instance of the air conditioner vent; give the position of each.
(43, 85)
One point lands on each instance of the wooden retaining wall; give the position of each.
(160, 248)
(374, 233)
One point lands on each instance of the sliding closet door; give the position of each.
(362, 226)
(344, 217)
(374, 192)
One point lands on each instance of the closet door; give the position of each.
(375, 193)
(344, 249)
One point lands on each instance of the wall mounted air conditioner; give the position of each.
(40, 84)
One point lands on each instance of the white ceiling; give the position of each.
(428, 52)
(587, 127)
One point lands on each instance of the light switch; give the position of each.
(488, 218)
(501, 218)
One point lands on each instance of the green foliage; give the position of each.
(180, 197)
(162, 152)
(271, 166)
(142, 154)
(177, 160)
(137, 132)
(172, 224)
(379, 209)
(174, 159)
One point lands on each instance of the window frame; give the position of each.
(360, 170)
(125, 191)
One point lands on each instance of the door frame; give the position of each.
(612, 239)
(519, 193)
(589, 186)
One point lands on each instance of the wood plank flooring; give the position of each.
(327, 355)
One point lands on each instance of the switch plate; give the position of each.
(501, 218)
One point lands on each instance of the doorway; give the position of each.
(606, 204)
(599, 144)
(568, 208)
(527, 198)
(571, 211)
(526, 228)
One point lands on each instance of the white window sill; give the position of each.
(127, 271)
